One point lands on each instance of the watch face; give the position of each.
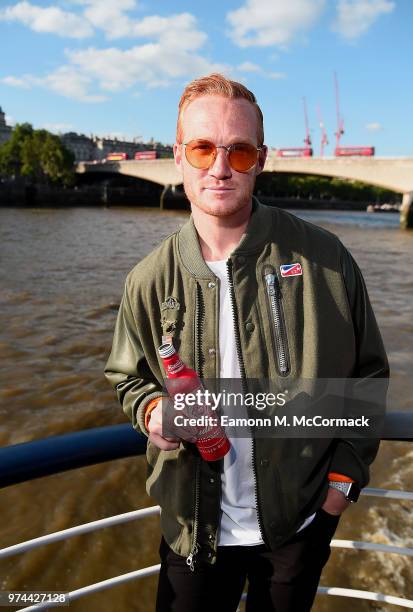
(353, 492)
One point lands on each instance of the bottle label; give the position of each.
(174, 368)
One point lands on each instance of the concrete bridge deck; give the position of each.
(394, 173)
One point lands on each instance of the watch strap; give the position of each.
(340, 486)
(350, 490)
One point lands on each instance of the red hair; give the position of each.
(217, 85)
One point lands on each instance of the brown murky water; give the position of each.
(61, 278)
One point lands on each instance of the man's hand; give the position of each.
(155, 427)
(335, 502)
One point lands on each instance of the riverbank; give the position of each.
(141, 195)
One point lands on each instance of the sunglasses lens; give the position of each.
(243, 157)
(200, 153)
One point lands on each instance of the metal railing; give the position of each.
(22, 462)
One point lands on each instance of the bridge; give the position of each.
(395, 173)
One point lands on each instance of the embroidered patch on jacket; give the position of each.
(294, 269)
(170, 312)
(170, 303)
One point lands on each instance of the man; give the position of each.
(251, 292)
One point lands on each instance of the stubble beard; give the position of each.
(219, 209)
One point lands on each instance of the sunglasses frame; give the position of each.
(228, 151)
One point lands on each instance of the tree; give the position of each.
(38, 155)
(11, 151)
(284, 185)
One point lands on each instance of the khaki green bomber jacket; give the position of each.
(328, 331)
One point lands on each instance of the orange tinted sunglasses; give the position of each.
(201, 154)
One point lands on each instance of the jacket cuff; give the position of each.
(141, 411)
(345, 460)
(336, 477)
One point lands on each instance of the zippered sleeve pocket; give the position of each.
(277, 322)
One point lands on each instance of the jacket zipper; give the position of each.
(278, 330)
(244, 387)
(190, 560)
(199, 313)
(199, 319)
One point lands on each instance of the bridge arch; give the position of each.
(390, 173)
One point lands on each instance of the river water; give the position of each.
(61, 278)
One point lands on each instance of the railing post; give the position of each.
(406, 211)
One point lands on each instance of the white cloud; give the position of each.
(173, 54)
(374, 127)
(69, 82)
(15, 82)
(265, 24)
(65, 81)
(9, 119)
(108, 15)
(254, 68)
(249, 67)
(177, 30)
(355, 17)
(153, 64)
(47, 20)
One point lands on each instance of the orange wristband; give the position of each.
(339, 477)
(151, 406)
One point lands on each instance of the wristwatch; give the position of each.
(350, 490)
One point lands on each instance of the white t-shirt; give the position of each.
(239, 522)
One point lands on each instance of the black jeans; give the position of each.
(285, 580)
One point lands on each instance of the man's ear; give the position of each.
(178, 157)
(261, 159)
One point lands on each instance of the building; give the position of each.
(5, 130)
(95, 148)
(104, 146)
(82, 147)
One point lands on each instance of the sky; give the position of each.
(118, 67)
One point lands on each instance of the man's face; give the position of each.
(219, 191)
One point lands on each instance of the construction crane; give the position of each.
(306, 151)
(324, 139)
(307, 139)
(346, 151)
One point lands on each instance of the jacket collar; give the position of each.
(258, 232)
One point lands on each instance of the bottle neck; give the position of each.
(167, 350)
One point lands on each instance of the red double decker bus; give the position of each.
(146, 155)
(118, 156)
(295, 152)
(354, 151)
